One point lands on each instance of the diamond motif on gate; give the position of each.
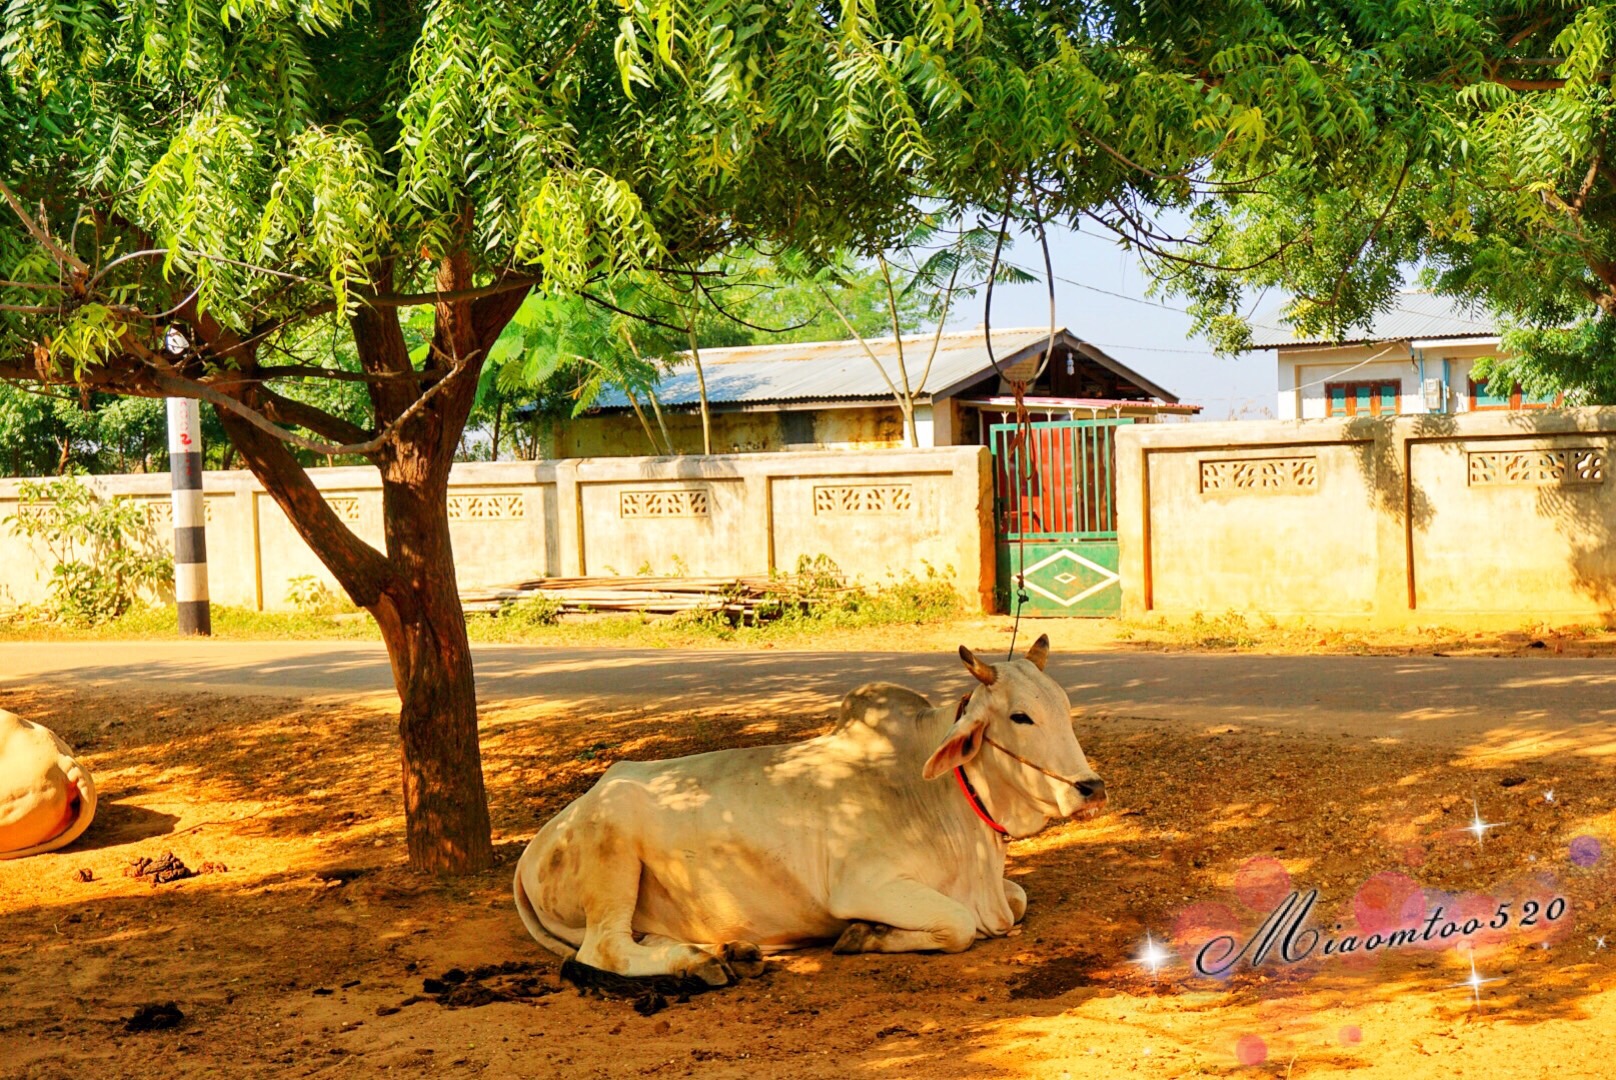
(1092, 575)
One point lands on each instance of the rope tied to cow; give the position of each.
(1025, 473)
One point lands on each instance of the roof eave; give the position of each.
(1065, 337)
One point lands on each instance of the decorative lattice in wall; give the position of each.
(345, 506)
(503, 506)
(160, 512)
(1537, 468)
(668, 503)
(1269, 475)
(863, 498)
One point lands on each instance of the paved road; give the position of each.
(1425, 699)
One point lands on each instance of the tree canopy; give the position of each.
(235, 200)
(1486, 175)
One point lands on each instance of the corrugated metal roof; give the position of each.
(841, 370)
(1412, 315)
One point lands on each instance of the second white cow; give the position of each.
(885, 835)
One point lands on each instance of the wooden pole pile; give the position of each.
(653, 595)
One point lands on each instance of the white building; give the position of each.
(1415, 358)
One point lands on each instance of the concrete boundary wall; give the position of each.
(1496, 518)
(876, 514)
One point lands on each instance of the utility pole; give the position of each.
(190, 518)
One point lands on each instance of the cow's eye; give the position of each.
(1020, 718)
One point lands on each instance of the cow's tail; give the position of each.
(535, 924)
(85, 813)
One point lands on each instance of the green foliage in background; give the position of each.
(105, 555)
(44, 432)
(1485, 173)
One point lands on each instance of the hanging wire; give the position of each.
(1014, 447)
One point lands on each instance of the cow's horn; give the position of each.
(984, 673)
(1039, 653)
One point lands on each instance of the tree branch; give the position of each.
(650, 320)
(397, 300)
(1391, 201)
(287, 410)
(39, 233)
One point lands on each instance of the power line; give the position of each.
(1148, 348)
(1123, 296)
(1149, 303)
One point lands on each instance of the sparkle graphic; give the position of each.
(1153, 956)
(1599, 943)
(1475, 982)
(1548, 796)
(1479, 827)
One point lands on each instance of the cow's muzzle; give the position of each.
(1094, 798)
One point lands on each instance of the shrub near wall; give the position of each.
(106, 556)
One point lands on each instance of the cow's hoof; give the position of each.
(743, 958)
(859, 937)
(710, 969)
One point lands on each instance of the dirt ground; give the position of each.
(310, 953)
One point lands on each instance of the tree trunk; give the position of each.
(656, 407)
(416, 603)
(424, 627)
(650, 436)
(701, 387)
(411, 590)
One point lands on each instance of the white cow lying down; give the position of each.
(46, 799)
(697, 865)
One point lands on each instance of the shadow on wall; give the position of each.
(1384, 468)
(1582, 513)
(1586, 522)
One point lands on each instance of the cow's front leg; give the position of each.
(901, 916)
(740, 957)
(1016, 897)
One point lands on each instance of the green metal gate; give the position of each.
(1055, 514)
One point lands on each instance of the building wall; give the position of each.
(876, 514)
(1484, 517)
(1305, 371)
(864, 428)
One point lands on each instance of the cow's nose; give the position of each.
(1091, 789)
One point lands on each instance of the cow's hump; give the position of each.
(884, 707)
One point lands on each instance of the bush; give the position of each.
(105, 550)
(529, 612)
(311, 596)
(818, 596)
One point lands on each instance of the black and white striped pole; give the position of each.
(190, 520)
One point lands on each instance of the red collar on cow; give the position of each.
(976, 804)
(975, 800)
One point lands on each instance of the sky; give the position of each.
(1138, 330)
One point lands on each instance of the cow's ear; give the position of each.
(960, 745)
(984, 672)
(1039, 653)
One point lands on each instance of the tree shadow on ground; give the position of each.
(290, 795)
(118, 823)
